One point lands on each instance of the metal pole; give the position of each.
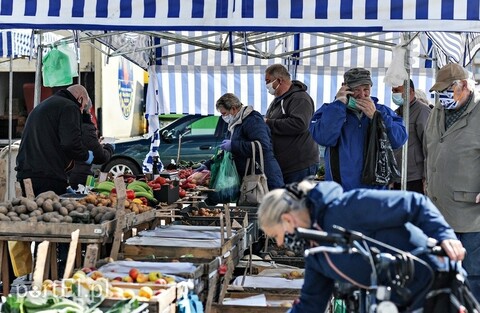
(406, 112)
(10, 124)
(38, 70)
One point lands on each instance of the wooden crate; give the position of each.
(160, 304)
(136, 251)
(223, 308)
(36, 230)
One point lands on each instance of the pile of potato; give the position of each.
(47, 207)
(133, 205)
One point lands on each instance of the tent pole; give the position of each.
(38, 77)
(10, 117)
(406, 112)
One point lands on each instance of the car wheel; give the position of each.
(122, 166)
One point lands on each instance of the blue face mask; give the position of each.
(447, 101)
(397, 98)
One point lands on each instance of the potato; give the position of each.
(3, 209)
(64, 202)
(48, 205)
(32, 219)
(63, 211)
(67, 219)
(56, 205)
(54, 220)
(11, 214)
(47, 195)
(16, 201)
(46, 217)
(70, 207)
(90, 207)
(20, 209)
(39, 201)
(24, 217)
(29, 204)
(15, 219)
(107, 217)
(98, 217)
(5, 219)
(80, 209)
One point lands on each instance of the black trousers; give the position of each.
(413, 185)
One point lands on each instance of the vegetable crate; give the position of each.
(276, 303)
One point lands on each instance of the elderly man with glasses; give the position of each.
(452, 160)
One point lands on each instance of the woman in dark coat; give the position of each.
(246, 125)
(101, 152)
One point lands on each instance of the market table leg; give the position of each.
(53, 261)
(4, 269)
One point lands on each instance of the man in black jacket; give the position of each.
(52, 140)
(288, 117)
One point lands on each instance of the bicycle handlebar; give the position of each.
(334, 250)
(319, 236)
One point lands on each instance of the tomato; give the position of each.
(160, 180)
(130, 194)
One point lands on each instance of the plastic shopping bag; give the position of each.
(21, 257)
(56, 69)
(225, 180)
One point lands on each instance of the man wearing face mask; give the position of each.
(418, 115)
(452, 160)
(386, 216)
(288, 117)
(342, 127)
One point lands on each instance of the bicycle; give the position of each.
(399, 267)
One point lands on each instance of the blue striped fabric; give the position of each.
(195, 89)
(455, 47)
(240, 15)
(17, 43)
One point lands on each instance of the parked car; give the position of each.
(197, 136)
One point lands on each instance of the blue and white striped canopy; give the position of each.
(22, 42)
(243, 15)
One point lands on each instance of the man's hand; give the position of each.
(367, 106)
(454, 249)
(342, 94)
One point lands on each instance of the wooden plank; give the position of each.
(56, 230)
(27, 183)
(91, 256)
(53, 261)
(3, 180)
(72, 251)
(212, 291)
(120, 216)
(41, 259)
(18, 189)
(4, 267)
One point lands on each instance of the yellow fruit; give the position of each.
(145, 292)
(79, 275)
(128, 294)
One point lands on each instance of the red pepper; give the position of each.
(130, 194)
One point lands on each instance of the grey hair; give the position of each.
(276, 203)
(278, 71)
(228, 101)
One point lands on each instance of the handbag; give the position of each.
(380, 167)
(254, 186)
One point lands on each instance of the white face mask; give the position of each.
(227, 118)
(270, 88)
(397, 98)
(447, 101)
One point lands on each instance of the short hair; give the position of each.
(228, 101)
(278, 71)
(276, 203)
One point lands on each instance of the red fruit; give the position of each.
(222, 270)
(133, 273)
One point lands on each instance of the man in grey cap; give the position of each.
(452, 160)
(342, 127)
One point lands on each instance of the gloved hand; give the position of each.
(202, 167)
(110, 146)
(226, 145)
(90, 157)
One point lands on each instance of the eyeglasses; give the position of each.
(450, 88)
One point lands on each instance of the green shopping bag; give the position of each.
(226, 181)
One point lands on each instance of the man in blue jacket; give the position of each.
(401, 219)
(342, 127)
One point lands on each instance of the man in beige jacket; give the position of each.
(452, 160)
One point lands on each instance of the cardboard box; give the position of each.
(168, 194)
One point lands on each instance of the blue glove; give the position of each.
(226, 145)
(90, 157)
(201, 168)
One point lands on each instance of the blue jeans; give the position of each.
(299, 175)
(471, 242)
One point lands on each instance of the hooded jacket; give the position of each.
(333, 124)
(246, 129)
(397, 218)
(51, 139)
(288, 117)
(101, 153)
